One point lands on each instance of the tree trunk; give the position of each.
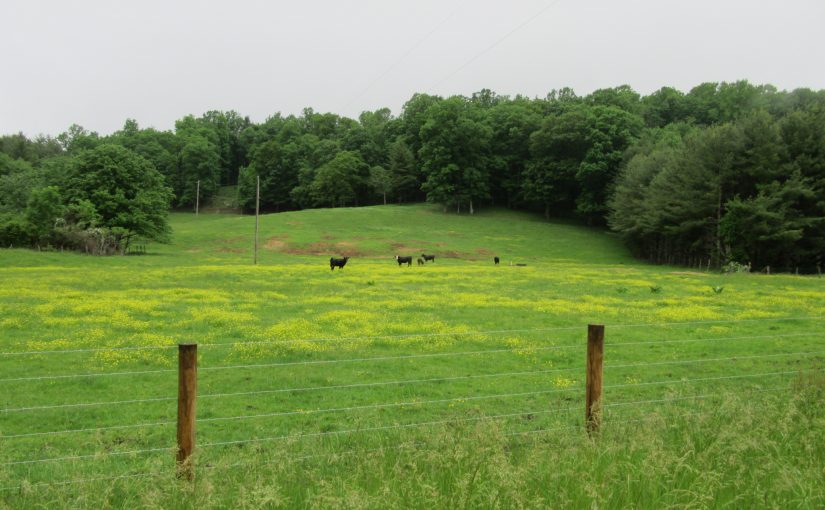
(546, 211)
(385, 199)
(471, 207)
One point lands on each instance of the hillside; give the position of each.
(381, 386)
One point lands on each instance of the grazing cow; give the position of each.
(403, 260)
(420, 262)
(428, 257)
(333, 263)
(496, 260)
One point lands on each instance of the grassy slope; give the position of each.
(202, 288)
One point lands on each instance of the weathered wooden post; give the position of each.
(198, 198)
(257, 210)
(593, 391)
(187, 391)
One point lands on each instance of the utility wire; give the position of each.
(496, 43)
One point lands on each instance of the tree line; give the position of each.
(727, 171)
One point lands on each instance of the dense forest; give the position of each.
(725, 173)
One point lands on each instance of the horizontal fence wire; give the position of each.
(391, 404)
(401, 357)
(404, 336)
(386, 427)
(436, 422)
(408, 381)
(358, 451)
(98, 455)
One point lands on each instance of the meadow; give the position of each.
(459, 384)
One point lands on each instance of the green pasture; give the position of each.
(458, 384)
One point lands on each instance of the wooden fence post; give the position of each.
(593, 392)
(257, 211)
(187, 391)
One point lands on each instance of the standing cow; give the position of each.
(339, 263)
(403, 260)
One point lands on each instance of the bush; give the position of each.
(736, 267)
(15, 232)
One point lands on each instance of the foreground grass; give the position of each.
(492, 355)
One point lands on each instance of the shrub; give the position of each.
(15, 231)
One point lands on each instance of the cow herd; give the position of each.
(340, 263)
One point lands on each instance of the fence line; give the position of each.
(411, 335)
(86, 404)
(79, 376)
(389, 405)
(405, 381)
(357, 451)
(709, 360)
(402, 357)
(693, 340)
(89, 456)
(418, 424)
(387, 427)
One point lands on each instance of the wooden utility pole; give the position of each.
(198, 198)
(187, 391)
(257, 211)
(593, 391)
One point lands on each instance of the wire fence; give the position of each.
(368, 406)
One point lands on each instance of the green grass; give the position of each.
(332, 433)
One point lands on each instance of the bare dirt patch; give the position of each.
(485, 251)
(232, 240)
(276, 242)
(344, 248)
(230, 250)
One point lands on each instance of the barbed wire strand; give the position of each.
(89, 456)
(369, 429)
(405, 381)
(381, 448)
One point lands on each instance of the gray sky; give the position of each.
(97, 63)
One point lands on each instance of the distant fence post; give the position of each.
(187, 391)
(593, 392)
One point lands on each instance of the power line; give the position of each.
(496, 43)
(403, 57)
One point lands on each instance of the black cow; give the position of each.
(420, 262)
(333, 262)
(428, 257)
(403, 260)
(496, 260)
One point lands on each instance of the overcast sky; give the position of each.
(97, 63)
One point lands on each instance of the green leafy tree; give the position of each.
(455, 154)
(381, 181)
(335, 183)
(406, 179)
(43, 209)
(127, 192)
